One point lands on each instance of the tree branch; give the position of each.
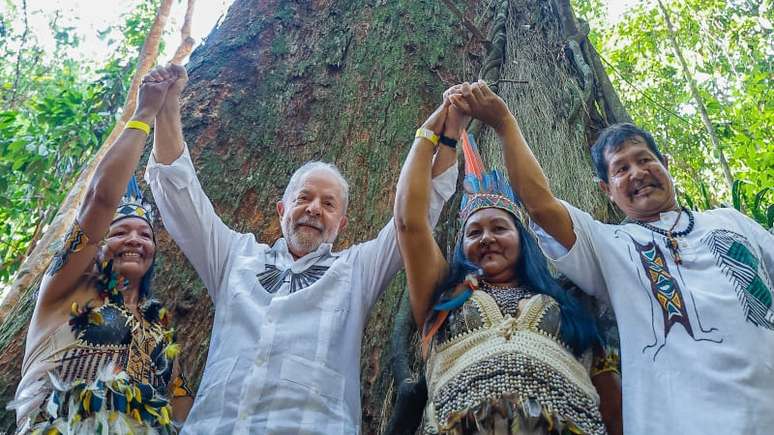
(186, 41)
(697, 98)
(34, 266)
(613, 108)
(465, 21)
(15, 88)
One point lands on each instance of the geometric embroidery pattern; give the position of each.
(74, 241)
(272, 278)
(670, 298)
(487, 200)
(735, 257)
(665, 289)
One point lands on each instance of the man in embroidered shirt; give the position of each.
(691, 290)
(284, 354)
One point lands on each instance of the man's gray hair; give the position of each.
(298, 177)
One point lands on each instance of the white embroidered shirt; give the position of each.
(697, 339)
(284, 352)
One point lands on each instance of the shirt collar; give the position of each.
(280, 249)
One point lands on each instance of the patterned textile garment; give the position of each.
(105, 371)
(498, 366)
(696, 322)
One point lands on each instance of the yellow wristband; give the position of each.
(427, 134)
(138, 125)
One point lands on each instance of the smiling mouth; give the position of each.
(131, 255)
(309, 226)
(644, 190)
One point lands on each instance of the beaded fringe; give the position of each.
(507, 414)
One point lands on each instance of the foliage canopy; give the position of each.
(57, 109)
(727, 45)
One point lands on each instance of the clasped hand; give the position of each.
(463, 102)
(157, 87)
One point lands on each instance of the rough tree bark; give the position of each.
(348, 81)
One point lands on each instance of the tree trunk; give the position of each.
(279, 83)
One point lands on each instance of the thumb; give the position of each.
(460, 103)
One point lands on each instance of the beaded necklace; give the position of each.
(507, 298)
(670, 234)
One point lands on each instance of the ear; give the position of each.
(665, 162)
(343, 223)
(605, 188)
(280, 209)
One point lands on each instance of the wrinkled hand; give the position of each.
(176, 73)
(182, 79)
(478, 101)
(437, 119)
(456, 120)
(150, 98)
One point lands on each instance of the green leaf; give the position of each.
(705, 196)
(736, 192)
(759, 197)
(689, 201)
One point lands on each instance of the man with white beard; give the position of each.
(289, 318)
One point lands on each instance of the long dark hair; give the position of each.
(578, 329)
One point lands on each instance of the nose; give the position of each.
(637, 172)
(486, 239)
(133, 239)
(313, 208)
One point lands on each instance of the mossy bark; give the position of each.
(279, 83)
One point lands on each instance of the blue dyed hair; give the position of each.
(578, 329)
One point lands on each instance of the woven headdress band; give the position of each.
(484, 189)
(133, 205)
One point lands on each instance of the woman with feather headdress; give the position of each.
(507, 349)
(99, 352)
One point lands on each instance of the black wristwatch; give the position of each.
(449, 142)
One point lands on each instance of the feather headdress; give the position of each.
(133, 205)
(484, 189)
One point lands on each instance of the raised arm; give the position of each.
(524, 171)
(102, 197)
(187, 213)
(168, 134)
(424, 263)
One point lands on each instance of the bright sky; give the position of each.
(617, 8)
(89, 17)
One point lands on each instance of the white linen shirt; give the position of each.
(697, 339)
(286, 362)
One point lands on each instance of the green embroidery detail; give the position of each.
(759, 291)
(740, 253)
(734, 256)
